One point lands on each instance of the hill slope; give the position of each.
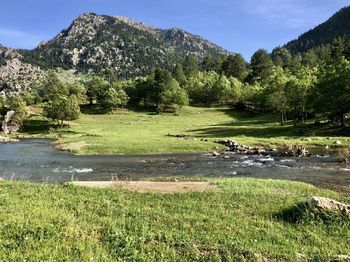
(95, 42)
(337, 26)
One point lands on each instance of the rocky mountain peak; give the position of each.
(131, 48)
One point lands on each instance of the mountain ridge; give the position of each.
(93, 42)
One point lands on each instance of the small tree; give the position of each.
(62, 108)
(123, 97)
(95, 88)
(18, 105)
(277, 97)
(173, 97)
(110, 100)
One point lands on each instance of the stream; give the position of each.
(36, 160)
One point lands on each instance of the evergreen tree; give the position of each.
(235, 66)
(179, 75)
(190, 66)
(261, 66)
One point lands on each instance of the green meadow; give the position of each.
(239, 220)
(144, 132)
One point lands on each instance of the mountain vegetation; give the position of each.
(95, 42)
(337, 26)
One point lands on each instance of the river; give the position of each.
(37, 160)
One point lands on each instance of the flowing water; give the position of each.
(36, 160)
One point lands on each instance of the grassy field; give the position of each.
(240, 220)
(143, 132)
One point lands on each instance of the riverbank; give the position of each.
(241, 219)
(191, 130)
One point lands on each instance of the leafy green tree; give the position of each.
(78, 90)
(51, 87)
(331, 94)
(261, 66)
(210, 87)
(235, 66)
(18, 105)
(297, 91)
(95, 87)
(62, 108)
(173, 97)
(110, 100)
(123, 97)
(277, 97)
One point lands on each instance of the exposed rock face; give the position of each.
(94, 42)
(326, 204)
(18, 76)
(8, 126)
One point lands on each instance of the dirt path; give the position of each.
(150, 187)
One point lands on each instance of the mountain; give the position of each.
(337, 26)
(18, 76)
(95, 42)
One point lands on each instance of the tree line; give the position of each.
(296, 86)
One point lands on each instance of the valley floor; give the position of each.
(143, 132)
(237, 220)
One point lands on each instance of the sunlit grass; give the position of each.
(144, 132)
(241, 220)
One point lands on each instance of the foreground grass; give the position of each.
(142, 132)
(241, 220)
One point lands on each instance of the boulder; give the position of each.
(8, 126)
(327, 204)
(215, 153)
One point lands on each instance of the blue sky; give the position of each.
(239, 26)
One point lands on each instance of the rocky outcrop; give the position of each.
(18, 76)
(327, 204)
(8, 126)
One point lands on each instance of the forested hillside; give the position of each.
(337, 26)
(129, 48)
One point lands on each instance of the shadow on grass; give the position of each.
(38, 126)
(302, 213)
(266, 126)
(252, 130)
(92, 110)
